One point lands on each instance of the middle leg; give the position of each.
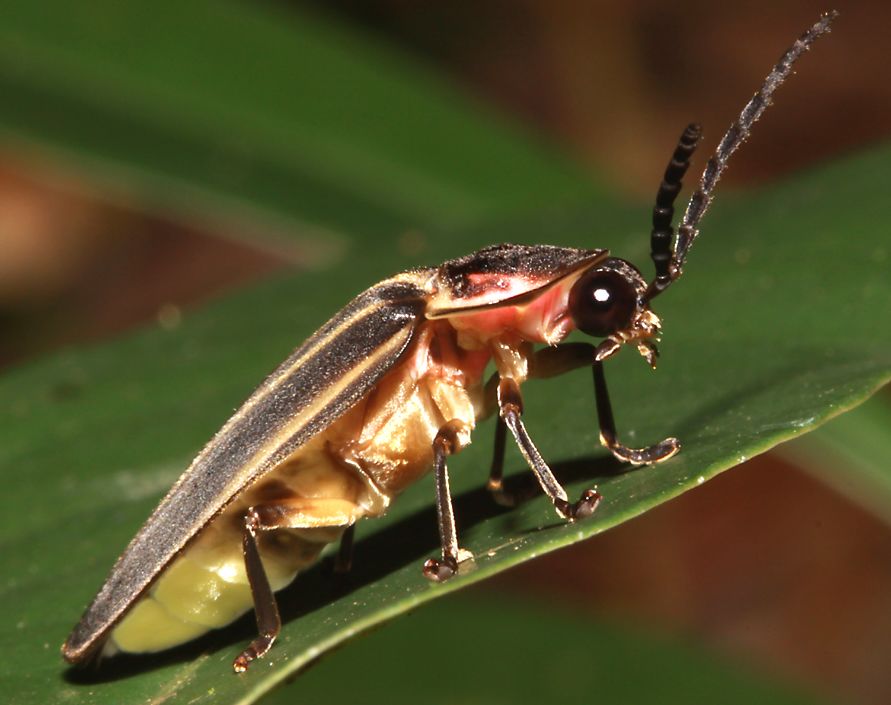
(445, 443)
(495, 485)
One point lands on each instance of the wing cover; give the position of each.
(310, 390)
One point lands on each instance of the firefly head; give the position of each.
(609, 301)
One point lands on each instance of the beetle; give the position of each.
(391, 386)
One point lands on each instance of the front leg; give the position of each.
(549, 362)
(510, 404)
(637, 456)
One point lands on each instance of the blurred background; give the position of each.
(90, 250)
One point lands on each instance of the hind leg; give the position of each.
(294, 513)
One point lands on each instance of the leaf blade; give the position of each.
(294, 118)
(735, 382)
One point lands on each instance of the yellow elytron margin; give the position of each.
(110, 609)
(308, 414)
(282, 375)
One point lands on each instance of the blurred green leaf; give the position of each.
(852, 454)
(771, 332)
(516, 652)
(216, 107)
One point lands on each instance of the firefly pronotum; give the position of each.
(390, 387)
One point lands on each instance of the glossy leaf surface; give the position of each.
(255, 111)
(501, 651)
(773, 330)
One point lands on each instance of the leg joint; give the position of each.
(510, 400)
(447, 439)
(252, 521)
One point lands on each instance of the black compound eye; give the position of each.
(602, 303)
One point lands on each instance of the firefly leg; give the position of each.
(545, 363)
(510, 403)
(568, 356)
(438, 570)
(495, 485)
(296, 513)
(344, 561)
(637, 456)
(268, 621)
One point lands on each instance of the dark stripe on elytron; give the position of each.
(534, 261)
(395, 308)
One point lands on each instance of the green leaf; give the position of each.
(516, 652)
(772, 331)
(227, 108)
(852, 454)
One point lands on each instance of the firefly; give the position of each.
(390, 387)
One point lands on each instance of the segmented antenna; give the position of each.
(735, 136)
(662, 235)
